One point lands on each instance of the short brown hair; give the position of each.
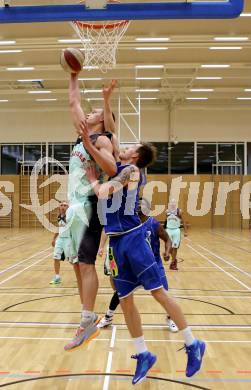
(147, 155)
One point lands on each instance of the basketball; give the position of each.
(72, 60)
(125, 185)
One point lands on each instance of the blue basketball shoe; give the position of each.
(145, 361)
(195, 354)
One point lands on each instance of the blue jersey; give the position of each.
(151, 227)
(121, 211)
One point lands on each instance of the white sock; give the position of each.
(109, 313)
(87, 317)
(140, 344)
(57, 276)
(188, 336)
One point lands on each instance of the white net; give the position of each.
(101, 42)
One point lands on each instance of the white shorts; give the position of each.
(62, 245)
(175, 237)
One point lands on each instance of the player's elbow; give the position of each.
(111, 171)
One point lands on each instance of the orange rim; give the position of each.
(100, 26)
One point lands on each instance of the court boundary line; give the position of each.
(220, 268)
(24, 260)
(224, 260)
(109, 359)
(20, 272)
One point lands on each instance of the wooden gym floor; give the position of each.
(213, 286)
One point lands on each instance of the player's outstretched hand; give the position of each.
(84, 133)
(92, 173)
(107, 91)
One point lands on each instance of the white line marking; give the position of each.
(217, 266)
(224, 260)
(109, 360)
(137, 296)
(182, 341)
(152, 326)
(231, 237)
(119, 340)
(15, 324)
(23, 261)
(36, 294)
(42, 338)
(18, 273)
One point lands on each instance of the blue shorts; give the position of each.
(133, 264)
(162, 273)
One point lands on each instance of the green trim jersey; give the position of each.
(173, 219)
(79, 187)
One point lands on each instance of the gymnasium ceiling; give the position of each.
(189, 48)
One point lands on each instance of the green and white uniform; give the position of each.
(85, 228)
(173, 224)
(79, 188)
(63, 241)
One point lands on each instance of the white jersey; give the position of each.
(63, 229)
(79, 187)
(173, 219)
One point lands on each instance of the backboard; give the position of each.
(27, 11)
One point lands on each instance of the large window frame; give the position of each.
(46, 145)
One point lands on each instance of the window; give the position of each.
(206, 157)
(61, 153)
(182, 158)
(240, 156)
(226, 152)
(161, 164)
(11, 158)
(249, 157)
(32, 152)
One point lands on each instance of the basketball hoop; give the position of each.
(100, 40)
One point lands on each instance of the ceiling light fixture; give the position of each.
(197, 98)
(160, 39)
(20, 68)
(215, 66)
(38, 92)
(208, 78)
(148, 78)
(30, 81)
(10, 51)
(225, 48)
(46, 100)
(149, 66)
(5, 43)
(231, 39)
(151, 48)
(92, 90)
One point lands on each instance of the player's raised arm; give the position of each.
(130, 175)
(109, 120)
(78, 115)
(101, 152)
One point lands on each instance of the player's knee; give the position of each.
(126, 303)
(159, 294)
